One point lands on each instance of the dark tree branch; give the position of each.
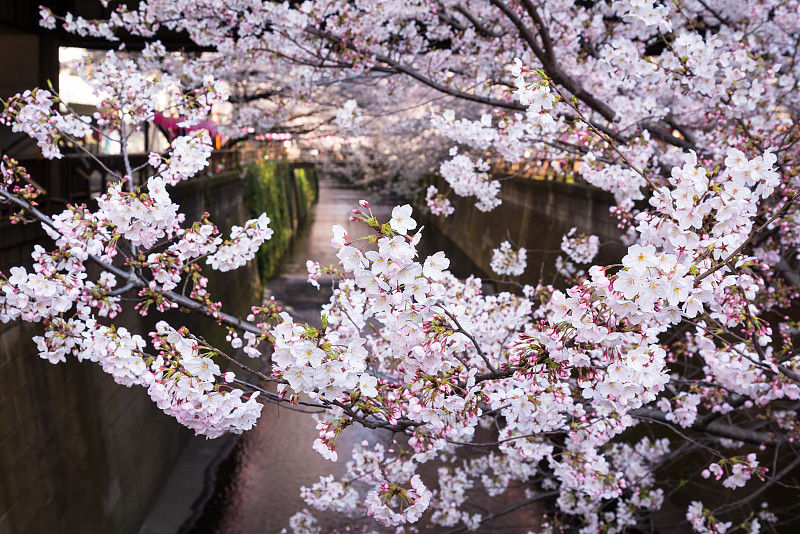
(717, 429)
(510, 509)
(551, 68)
(547, 42)
(243, 99)
(753, 232)
(480, 28)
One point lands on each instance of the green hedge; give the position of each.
(270, 187)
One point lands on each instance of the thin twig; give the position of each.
(753, 232)
(472, 339)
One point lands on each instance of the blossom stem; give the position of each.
(753, 232)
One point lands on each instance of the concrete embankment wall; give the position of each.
(78, 452)
(534, 214)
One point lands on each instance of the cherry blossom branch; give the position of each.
(283, 402)
(764, 487)
(413, 73)
(549, 65)
(551, 68)
(606, 137)
(136, 282)
(714, 12)
(262, 376)
(483, 30)
(122, 290)
(506, 440)
(541, 27)
(682, 435)
(761, 365)
(92, 156)
(792, 196)
(401, 426)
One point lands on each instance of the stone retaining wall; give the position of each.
(534, 214)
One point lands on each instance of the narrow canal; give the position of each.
(251, 484)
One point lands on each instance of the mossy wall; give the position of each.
(286, 192)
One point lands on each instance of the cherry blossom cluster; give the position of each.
(303, 523)
(349, 118)
(741, 470)
(243, 245)
(477, 134)
(682, 409)
(184, 385)
(54, 285)
(179, 380)
(645, 11)
(703, 522)
(619, 179)
(468, 178)
(36, 114)
(509, 262)
(397, 497)
(141, 218)
(47, 21)
(189, 155)
(510, 137)
(414, 501)
(128, 96)
(79, 25)
(314, 272)
(438, 203)
(535, 95)
(195, 105)
(579, 247)
(79, 232)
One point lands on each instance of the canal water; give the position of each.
(251, 484)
